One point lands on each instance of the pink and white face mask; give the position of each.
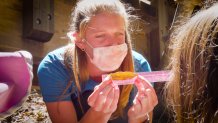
(108, 58)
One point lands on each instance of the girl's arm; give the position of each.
(64, 112)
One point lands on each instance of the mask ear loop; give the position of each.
(84, 41)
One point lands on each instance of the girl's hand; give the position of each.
(104, 97)
(144, 102)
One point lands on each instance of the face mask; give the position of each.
(108, 58)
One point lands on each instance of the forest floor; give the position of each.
(32, 111)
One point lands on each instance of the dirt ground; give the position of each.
(32, 111)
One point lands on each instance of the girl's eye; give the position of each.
(119, 34)
(99, 36)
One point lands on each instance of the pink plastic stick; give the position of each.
(154, 76)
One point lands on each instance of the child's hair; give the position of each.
(82, 14)
(192, 91)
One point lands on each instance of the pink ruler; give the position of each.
(154, 76)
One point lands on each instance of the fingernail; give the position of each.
(142, 96)
(142, 89)
(74, 34)
(116, 87)
(137, 80)
(148, 90)
(113, 85)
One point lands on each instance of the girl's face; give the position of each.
(105, 29)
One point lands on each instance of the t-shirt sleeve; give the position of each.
(141, 64)
(145, 67)
(53, 79)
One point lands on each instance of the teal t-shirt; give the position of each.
(54, 77)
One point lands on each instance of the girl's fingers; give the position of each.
(131, 111)
(140, 86)
(147, 85)
(92, 98)
(145, 82)
(109, 101)
(146, 105)
(134, 109)
(137, 106)
(147, 102)
(114, 103)
(101, 99)
(143, 102)
(152, 98)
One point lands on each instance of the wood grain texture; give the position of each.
(11, 37)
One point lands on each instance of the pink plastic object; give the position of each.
(154, 76)
(3, 87)
(15, 80)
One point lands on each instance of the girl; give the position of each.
(70, 77)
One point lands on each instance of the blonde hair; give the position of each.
(82, 14)
(192, 92)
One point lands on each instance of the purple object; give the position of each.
(15, 80)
